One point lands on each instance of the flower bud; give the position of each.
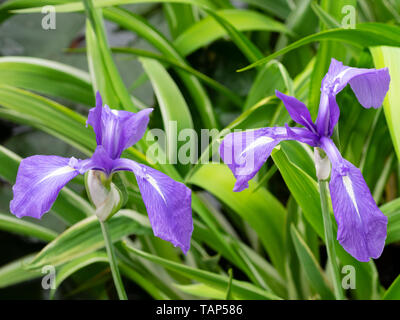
(322, 165)
(103, 193)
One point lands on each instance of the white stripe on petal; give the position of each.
(256, 143)
(340, 76)
(58, 172)
(342, 73)
(349, 188)
(155, 185)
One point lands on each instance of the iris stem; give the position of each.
(113, 262)
(329, 239)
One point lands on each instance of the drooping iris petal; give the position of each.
(369, 85)
(167, 201)
(117, 130)
(361, 225)
(39, 180)
(297, 110)
(246, 152)
(370, 89)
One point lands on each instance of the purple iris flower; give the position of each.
(361, 225)
(168, 203)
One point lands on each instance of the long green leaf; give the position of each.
(365, 35)
(392, 211)
(49, 114)
(138, 25)
(326, 51)
(179, 17)
(69, 268)
(240, 289)
(58, 120)
(250, 51)
(202, 290)
(259, 208)
(324, 16)
(85, 237)
(208, 30)
(47, 77)
(393, 293)
(30, 7)
(99, 48)
(15, 272)
(390, 57)
(245, 258)
(26, 228)
(315, 275)
(273, 76)
(173, 106)
(148, 284)
(232, 96)
(279, 8)
(298, 181)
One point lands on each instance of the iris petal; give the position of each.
(361, 225)
(100, 160)
(297, 110)
(167, 201)
(246, 152)
(39, 180)
(369, 85)
(94, 118)
(117, 130)
(370, 89)
(122, 129)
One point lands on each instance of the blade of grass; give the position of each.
(137, 24)
(393, 293)
(242, 290)
(390, 57)
(99, 47)
(47, 77)
(30, 6)
(365, 35)
(232, 96)
(249, 205)
(85, 237)
(172, 104)
(14, 272)
(208, 29)
(280, 8)
(314, 273)
(26, 228)
(249, 50)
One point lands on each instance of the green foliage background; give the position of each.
(182, 57)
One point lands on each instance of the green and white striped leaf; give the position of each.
(85, 237)
(390, 57)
